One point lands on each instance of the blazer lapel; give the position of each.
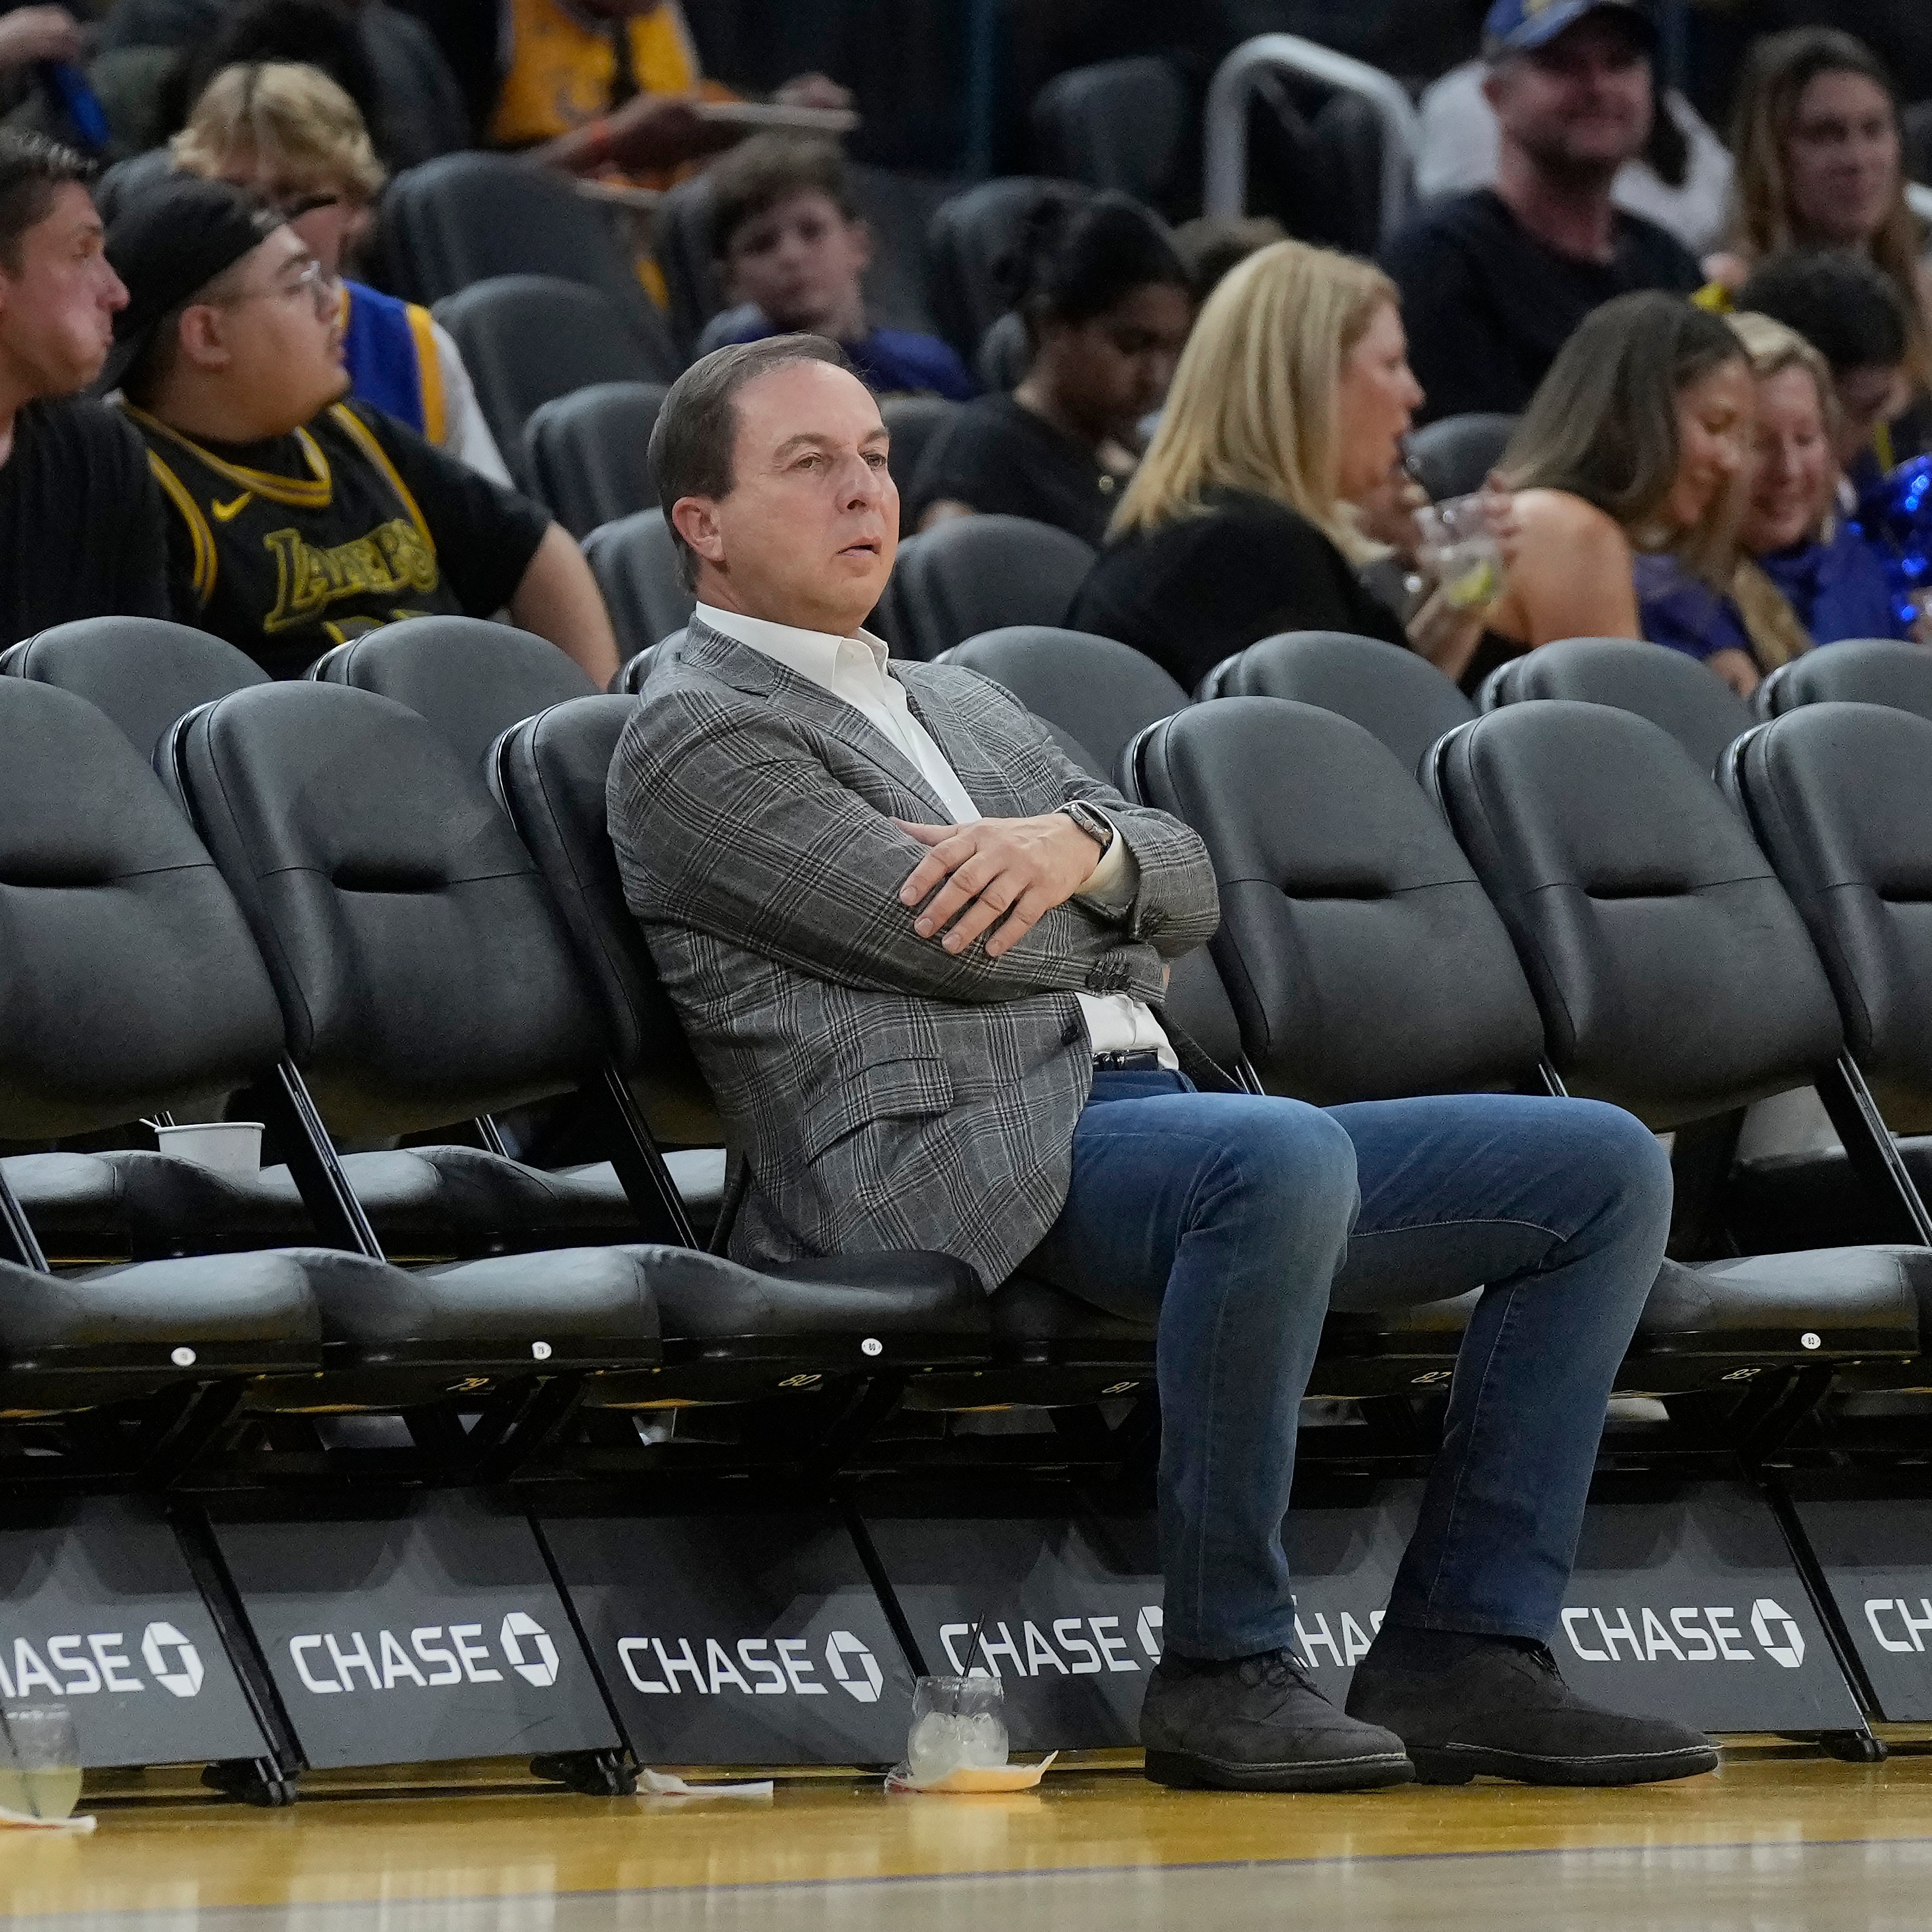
(988, 783)
(749, 671)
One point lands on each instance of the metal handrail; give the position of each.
(1919, 197)
(1226, 158)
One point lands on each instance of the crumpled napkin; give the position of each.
(81, 1823)
(1006, 1778)
(661, 1784)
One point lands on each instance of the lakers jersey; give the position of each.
(287, 566)
(560, 71)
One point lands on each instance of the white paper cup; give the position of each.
(227, 1146)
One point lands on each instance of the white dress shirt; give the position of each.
(853, 671)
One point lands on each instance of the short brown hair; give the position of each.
(758, 174)
(697, 426)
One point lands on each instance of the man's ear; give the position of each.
(695, 519)
(201, 339)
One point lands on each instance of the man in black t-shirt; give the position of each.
(1493, 283)
(297, 520)
(80, 518)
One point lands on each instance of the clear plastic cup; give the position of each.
(958, 1723)
(1459, 553)
(39, 1761)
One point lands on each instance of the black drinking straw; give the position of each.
(972, 1651)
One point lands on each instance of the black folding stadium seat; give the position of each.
(143, 673)
(1452, 457)
(1838, 795)
(1365, 961)
(529, 340)
(585, 453)
(1122, 125)
(1859, 670)
(1675, 979)
(469, 218)
(424, 980)
(1696, 707)
(912, 421)
(637, 666)
(979, 574)
(635, 564)
(1096, 692)
(967, 235)
(1397, 697)
(134, 989)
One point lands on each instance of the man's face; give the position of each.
(800, 261)
(808, 533)
(1582, 104)
(275, 338)
(58, 301)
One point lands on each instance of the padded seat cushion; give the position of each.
(1025, 1310)
(263, 1301)
(1875, 1292)
(587, 1304)
(702, 1297)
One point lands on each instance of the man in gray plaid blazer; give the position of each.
(920, 955)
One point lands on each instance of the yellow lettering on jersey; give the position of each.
(391, 558)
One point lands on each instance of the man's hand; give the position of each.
(813, 90)
(662, 131)
(1018, 868)
(40, 34)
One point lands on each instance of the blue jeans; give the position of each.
(1237, 1223)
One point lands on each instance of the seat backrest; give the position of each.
(1860, 671)
(980, 573)
(635, 563)
(128, 981)
(586, 454)
(1840, 795)
(527, 340)
(912, 421)
(471, 679)
(1100, 692)
(143, 673)
(1361, 955)
(967, 236)
(1695, 706)
(637, 666)
(1400, 698)
(1121, 124)
(467, 217)
(1452, 456)
(550, 775)
(1673, 972)
(422, 975)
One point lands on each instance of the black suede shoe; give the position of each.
(1497, 1706)
(1256, 1723)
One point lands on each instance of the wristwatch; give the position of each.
(1097, 825)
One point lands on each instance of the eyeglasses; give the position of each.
(322, 288)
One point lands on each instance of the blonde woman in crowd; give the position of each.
(289, 137)
(1285, 422)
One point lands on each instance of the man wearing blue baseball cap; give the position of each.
(1493, 283)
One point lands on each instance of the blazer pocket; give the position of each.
(915, 1086)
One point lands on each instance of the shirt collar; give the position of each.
(813, 654)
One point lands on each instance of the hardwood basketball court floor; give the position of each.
(1778, 1840)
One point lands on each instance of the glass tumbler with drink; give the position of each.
(1459, 551)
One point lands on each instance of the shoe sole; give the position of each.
(1457, 1764)
(1186, 1772)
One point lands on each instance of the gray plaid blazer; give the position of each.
(879, 1092)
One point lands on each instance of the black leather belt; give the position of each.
(1146, 1061)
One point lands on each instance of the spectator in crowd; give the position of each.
(1106, 305)
(81, 534)
(1681, 180)
(1212, 245)
(1847, 308)
(1820, 165)
(292, 139)
(919, 953)
(1287, 413)
(300, 520)
(792, 247)
(385, 60)
(1802, 577)
(1638, 440)
(1494, 282)
(590, 84)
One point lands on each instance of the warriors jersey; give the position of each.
(290, 547)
